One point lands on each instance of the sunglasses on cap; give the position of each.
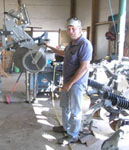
(73, 22)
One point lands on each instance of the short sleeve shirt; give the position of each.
(74, 54)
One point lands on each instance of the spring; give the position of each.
(117, 100)
(123, 103)
(124, 122)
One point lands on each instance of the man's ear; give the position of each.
(80, 29)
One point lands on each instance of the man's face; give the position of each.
(74, 32)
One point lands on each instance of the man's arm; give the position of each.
(57, 51)
(79, 73)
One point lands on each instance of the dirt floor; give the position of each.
(25, 126)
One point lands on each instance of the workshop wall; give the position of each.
(83, 11)
(9, 4)
(50, 14)
(107, 47)
(104, 9)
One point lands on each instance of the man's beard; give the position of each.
(73, 37)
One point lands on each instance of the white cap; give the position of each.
(73, 22)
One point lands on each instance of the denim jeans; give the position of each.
(71, 104)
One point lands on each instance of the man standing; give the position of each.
(77, 57)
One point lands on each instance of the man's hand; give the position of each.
(56, 50)
(46, 44)
(67, 86)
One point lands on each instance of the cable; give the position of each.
(53, 103)
(112, 15)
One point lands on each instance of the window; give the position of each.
(52, 35)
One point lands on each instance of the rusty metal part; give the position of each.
(18, 56)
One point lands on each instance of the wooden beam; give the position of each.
(19, 5)
(94, 20)
(19, 2)
(73, 8)
(88, 32)
(104, 22)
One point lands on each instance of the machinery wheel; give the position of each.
(28, 62)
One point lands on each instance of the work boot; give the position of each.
(67, 140)
(59, 129)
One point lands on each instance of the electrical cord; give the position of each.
(112, 15)
(53, 102)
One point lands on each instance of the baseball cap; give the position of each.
(73, 22)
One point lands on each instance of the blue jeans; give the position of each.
(71, 104)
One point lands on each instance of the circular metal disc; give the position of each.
(30, 66)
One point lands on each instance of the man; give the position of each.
(77, 57)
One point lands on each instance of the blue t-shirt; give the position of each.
(73, 56)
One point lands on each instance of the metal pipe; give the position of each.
(27, 86)
(34, 86)
(121, 27)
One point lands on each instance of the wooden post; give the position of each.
(88, 32)
(73, 8)
(94, 20)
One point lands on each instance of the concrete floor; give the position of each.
(26, 126)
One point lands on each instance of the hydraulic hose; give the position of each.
(94, 84)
